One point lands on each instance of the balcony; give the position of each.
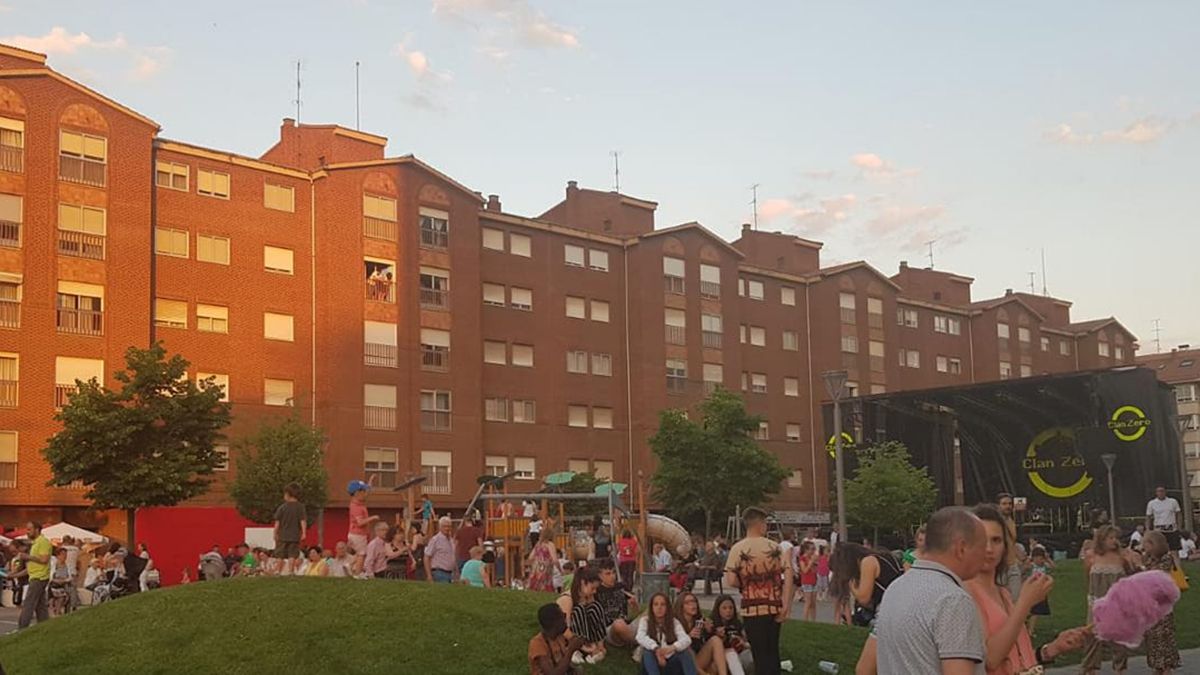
(375, 354)
(673, 284)
(62, 394)
(434, 298)
(711, 339)
(8, 474)
(378, 228)
(435, 358)
(676, 385)
(676, 335)
(710, 290)
(434, 238)
(12, 159)
(379, 417)
(381, 290)
(81, 244)
(10, 314)
(8, 393)
(437, 480)
(10, 234)
(435, 420)
(81, 170)
(80, 321)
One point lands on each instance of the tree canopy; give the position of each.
(712, 466)
(280, 453)
(887, 492)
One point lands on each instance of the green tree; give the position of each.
(282, 452)
(887, 492)
(150, 442)
(713, 465)
(583, 482)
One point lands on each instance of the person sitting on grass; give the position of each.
(727, 625)
(474, 572)
(617, 603)
(665, 645)
(550, 651)
(316, 566)
(585, 616)
(708, 648)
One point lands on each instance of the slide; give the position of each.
(670, 534)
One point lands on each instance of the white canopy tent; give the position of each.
(61, 530)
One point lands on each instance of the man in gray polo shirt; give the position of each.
(927, 622)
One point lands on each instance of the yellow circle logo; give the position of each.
(831, 445)
(1053, 452)
(1129, 423)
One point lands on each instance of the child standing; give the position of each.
(1162, 651)
(823, 574)
(290, 527)
(1039, 563)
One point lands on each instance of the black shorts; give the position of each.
(287, 550)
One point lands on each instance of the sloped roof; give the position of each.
(1182, 365)
(694, 226)
(982, 305)
(857, 264)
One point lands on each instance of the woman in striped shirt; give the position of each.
(585, 616)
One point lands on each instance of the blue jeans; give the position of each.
(678, 662)
(441, 577)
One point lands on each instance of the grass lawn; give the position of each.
(301, 625)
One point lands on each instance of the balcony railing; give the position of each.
(81, 170)
(62, 394)
(378, 228)
(676, 385)
(81, 244)
(435, 358)
(80, 321)
(12, 159)
(431, 238)
(10, 234)
(8, 393)
(437, 480)
(8, 474)
(10, 314)
(382, 479)
(381, 290)
(379, 417)
(712, 339)
(375, 354)
(676, 335)
(710, 290)
(435, 420)
(673, 284)
(434, 298)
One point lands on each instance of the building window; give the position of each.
(1119, 353)
(212, 318)
(8, 456)
(1026, 371)
(850, 344)
(80, 308)
(851, 389)
(577, 415)
(212, 183)
(171, 175)
(279, 197)
(1193, 423)
(1064, 348)
(495, 409)
(521, 298)
(1023, 334)
(82, 158)
(676, 375)
(435, 348)
(787, 295)
(763, 433)
(11, 207)
(435, 229)
(12, 145)
(875, 312)
(379, 279)
(742, 333)
(495, 352)
(947, 324)
(576, 307)
(434, 288)
(875, 349)
(910, 358)
(493, 295)
(1045, 343)
(1102, 348)
(673, 275)
(598, 260)
(791, 386)
(909, 318)
(380, 466)
(435, 410)
(714, 375)
(522, 355)
(278, 327)
(495, 465)
(68, 371)
(745, 381)
(791, 340)
(573, 255)
(602, 469)
(278, 392)
(212, 249)
(526, 468)
(1185, 393)
(1005, 370)
(755, 289)
(379, 217)
(493, 239)
(796, 480)
(519, 244)
(221, 381)
(524, 411)
(435, 466)
(943, 364)
(9, 378)
(758, 383)
(955, 366)
(222, 451)
(602, 364)
(847, 306)
(710, 281)
(279, 260)
(379, 407)
(1002, 331)
(81, 231)
(602, 418)
(676, 322)
(170, 313)
(577, 361)
(793, 432)
(712, 329)
(379, 344)
(600, 311)
(10, 301)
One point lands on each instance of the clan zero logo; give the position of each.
(1053, 464)
(1129, 423)
(847, 444)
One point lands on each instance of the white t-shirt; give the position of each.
(530, 508)
(1163, 511)
(662, 561)
(1186, 548)
(785, 547)
(1135, 539)
(535, 526)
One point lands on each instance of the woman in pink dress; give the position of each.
(542, 561)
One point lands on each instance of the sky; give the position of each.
(995, 130)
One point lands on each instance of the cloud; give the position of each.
(820, 174)
(418, 62)
(145, 62)
(511, 21)
(872, 166)
(1138, 132)
(821, 217)
(894, 218)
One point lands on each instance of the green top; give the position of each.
(249, 562)
(472, 572)
(910, 556)
(41, 547)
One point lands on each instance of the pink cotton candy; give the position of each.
(1132, 606)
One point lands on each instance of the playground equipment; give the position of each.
(673, 536)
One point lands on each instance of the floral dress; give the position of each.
(541, 570)
(1161, 651)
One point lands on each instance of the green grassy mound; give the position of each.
(301, 625)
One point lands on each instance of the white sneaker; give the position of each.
(577, 658)
(595, 658)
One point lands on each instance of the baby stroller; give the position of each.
(117, 584)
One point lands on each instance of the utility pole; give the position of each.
(1032, 286)
(1044, 291)
(754, 204)
(357, 100)
(1157, 337)
(930, 244)
(616, 155)
(297, 101)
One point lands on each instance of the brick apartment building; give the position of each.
(425, 329)
(1181, 369)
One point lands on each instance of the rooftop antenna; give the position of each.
(297, 101)
(1032, 287)
(930, 244)
(754, 203)
(616, 155)
(1157, 337)
(1044, 291)
(357, 118)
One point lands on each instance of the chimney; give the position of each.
(903, 264)
(493, 203)
(1007, 291)
(1183, 347)
(746, 227)
(289, 122)
(572, 187)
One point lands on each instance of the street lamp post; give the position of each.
(1110, 458)
(835, 385)
(1185, 484)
